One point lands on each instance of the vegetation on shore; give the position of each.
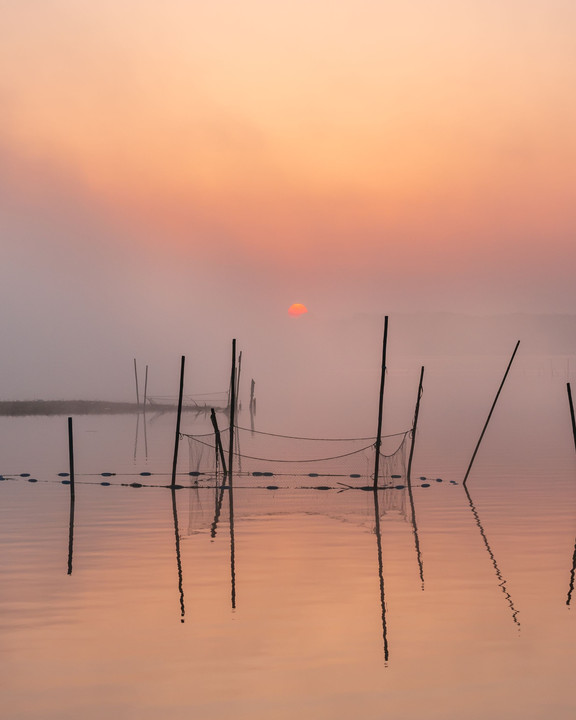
(87, 407)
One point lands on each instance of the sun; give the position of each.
(297, 309)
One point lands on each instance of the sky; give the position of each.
(174, 174)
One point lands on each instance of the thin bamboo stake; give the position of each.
(238, 379)
(177, 438)
(144, 412)
(145, 386)
(490, 413)
(136, 378)
(414, 427)
(71, 455)
(219, 448)
(380, 404)
(571, 412)
(72, 495)
(232, 409)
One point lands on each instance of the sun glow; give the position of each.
(297, 309)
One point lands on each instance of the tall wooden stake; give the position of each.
(380, 405)
(416, 413)
(177, 438)
(232, 409)
(571, 412)
(490, 413)
(71, 455)
(238, 378)
(136, 378)
(72, 496)
(219, 448)
(144, 412)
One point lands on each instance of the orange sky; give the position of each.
(380, 143)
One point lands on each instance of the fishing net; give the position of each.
(258, 454)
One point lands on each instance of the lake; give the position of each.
(275, 599)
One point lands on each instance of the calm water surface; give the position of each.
(310, 603)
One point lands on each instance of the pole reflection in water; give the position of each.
(380, 573)
(232, 544)
(415, 531)
(178, 557)
(71, 530)
(571, 587)
(502, 581)
(219, 496)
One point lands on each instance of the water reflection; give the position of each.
(502, 581)
(572, 572)
(219, 494)
(415, 532)
(178, 557)
(71, 530)
(219, 499)
(381, 574)
(232, 544)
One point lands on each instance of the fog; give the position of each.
(85, 290)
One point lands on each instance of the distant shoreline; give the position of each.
(21, 408)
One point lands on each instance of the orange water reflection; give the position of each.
(306, 636)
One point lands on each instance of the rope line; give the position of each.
(298, 437)
(307, 460)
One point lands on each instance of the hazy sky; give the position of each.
(175, 173)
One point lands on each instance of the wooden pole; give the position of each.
(144, 412)
(380, 405)
(490, 413)
(571, 412)
(177, 438)
(232, 409)
(71, 455)
(219, 448)
(415, 426)
(252, 406)
(72, 496)
(136, 378)
(238, 378)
